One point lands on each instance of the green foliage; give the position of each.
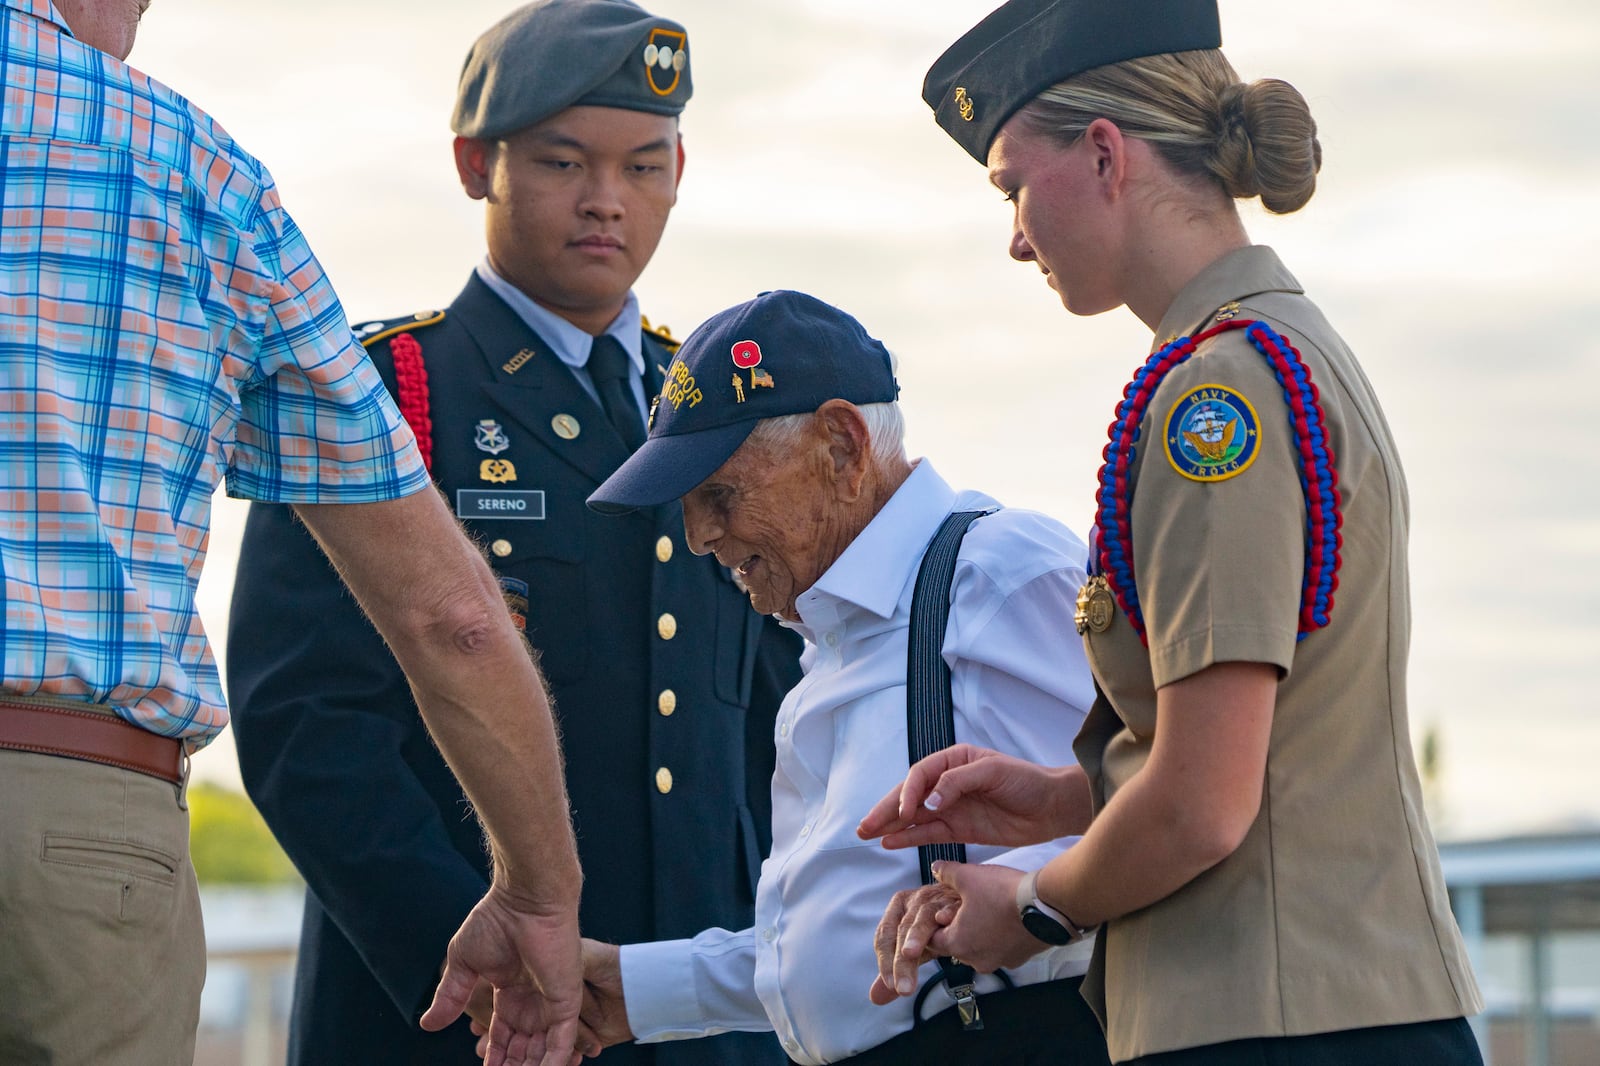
(230, 843)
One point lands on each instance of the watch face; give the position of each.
(1045, 927)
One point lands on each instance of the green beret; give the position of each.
(555, 54)
(1026, 46)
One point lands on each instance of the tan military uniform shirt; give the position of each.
(1332, 914)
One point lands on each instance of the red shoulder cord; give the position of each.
(411, 375)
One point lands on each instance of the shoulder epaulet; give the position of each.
(370, 333)
(663, 334)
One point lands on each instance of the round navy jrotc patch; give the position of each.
(1211, 434)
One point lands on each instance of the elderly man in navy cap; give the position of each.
(780, 430)
(525, 394)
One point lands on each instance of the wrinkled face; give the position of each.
(770, 518)
(577, 205)
(1061, 220)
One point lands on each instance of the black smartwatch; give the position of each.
(1042, 920)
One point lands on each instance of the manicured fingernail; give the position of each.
(935, 868)
(933, 801)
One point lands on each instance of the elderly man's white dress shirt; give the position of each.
(1020, 685)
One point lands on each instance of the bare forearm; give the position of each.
(1138, 851)
(1073, 801)
(436, 603)
(1186, 810)
(488, 711)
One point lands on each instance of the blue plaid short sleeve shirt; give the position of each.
(163, 327)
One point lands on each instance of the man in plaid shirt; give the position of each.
(163, 328)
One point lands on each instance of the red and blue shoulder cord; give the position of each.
(1318, 477)
(411, 376)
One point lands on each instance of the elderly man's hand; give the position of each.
(901, 940)
(969, 913)
(605, 1012)
(971, 795)
(531, 957)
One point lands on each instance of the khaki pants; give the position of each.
(102, 953)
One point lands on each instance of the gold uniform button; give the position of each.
(664, 549)
(667, 626)
(502, 548)
(663, 780)
(667, 702)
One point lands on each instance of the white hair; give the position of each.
(886, 431)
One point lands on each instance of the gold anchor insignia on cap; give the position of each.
(1095, 606)
(964, 104)
(498, 471)
(566, 426)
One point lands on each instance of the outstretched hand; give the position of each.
(971, 795)
(532, 959)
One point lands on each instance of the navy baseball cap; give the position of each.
(1023, 47)
(782, 353)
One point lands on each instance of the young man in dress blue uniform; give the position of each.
(526, 393)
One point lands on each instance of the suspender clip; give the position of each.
(967, 1008)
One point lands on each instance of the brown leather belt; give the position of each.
(52, 729)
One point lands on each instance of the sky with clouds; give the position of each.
(1452, 241)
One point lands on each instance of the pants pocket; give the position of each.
(144, 875)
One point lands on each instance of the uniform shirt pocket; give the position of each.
(539, 564)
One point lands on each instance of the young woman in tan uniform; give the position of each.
(1258, 854)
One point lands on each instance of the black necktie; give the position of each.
(610, 371)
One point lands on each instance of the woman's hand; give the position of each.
(970, 913)
(970, 795)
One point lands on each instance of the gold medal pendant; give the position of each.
(1095, 606)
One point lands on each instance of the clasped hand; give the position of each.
(969, 795)
(531, 958)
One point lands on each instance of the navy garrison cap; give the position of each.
(782, 353)
(1026, 46)
(555, 54)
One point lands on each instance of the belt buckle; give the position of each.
(185, 762)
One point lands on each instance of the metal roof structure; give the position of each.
(1533, 888)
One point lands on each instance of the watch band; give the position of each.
(1028, 900)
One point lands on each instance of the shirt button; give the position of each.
(667, 702)
(783, 729)
(664, 549)
(805, 830)
(831, 640)
(769, 934)
(663, 780)
(667, 626)
(792, 1046)
(502, 548)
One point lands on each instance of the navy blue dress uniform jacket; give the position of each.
(666, 721)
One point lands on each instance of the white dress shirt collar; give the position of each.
(570, 343)
(874, 570)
